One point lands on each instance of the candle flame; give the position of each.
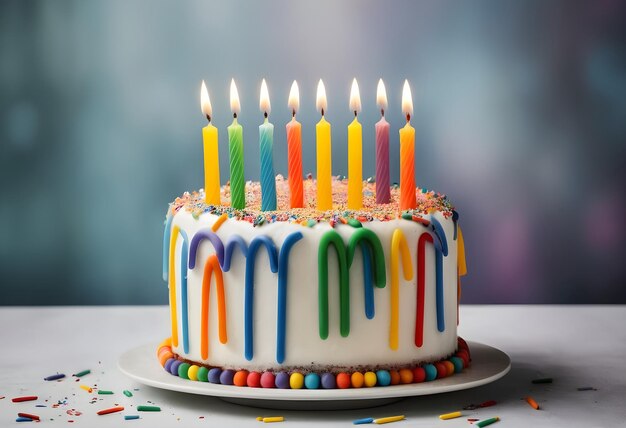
(294, 97)
(355, 97)
(205, 101)
(235, 107)
(320, 102)
(264, 103)
(381, 95)
(407, 99)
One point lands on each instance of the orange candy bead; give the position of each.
(164, 357)
(395, 377)
(343, 380)
(357, 380)
(449, 367)
(241, 378)
(406, 376)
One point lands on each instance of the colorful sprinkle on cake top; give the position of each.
(428, 202)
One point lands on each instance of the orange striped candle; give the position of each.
(408, 200)
(294, 151)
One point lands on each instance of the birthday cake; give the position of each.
(302, 298)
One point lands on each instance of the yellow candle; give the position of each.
(355, 153)
(324, 161)
(211, 153)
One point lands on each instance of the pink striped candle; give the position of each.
(382, 148)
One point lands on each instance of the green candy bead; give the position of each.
(203, 374)
(182, 370)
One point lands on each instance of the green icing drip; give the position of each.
(333, 238)
(362, 234)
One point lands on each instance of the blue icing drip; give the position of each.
(283, 268)
(183, 290)
(368, 287)
(441, 242)
(166, 245)
(255, 244)
(441, 326)
(232, 243)
(200, 236)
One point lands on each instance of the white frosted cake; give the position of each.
(277, 298)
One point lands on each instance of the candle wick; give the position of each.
(322, 112)
(408, 117)
(293, 113)
(354, 113)
(234, 115)
(208, 117)
(265, 115)
(382, 112)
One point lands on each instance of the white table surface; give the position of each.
(578, 346)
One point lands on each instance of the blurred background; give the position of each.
(520, 112)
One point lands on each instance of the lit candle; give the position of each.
(355, 153)
(266, 143)
(382, 148)
(407, 154)
(294, 150)
(235, 149)
(324, 163)
(211, 153)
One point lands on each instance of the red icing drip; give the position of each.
(421, 279)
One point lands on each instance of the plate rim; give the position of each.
(459, 381)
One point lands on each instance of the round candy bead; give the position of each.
(168, 364)
(183, 369)
(419, 375)
(462, 354)
(164, 350)
(431, 372)
(214, 375)
(383, 378)
(267, 380)
(406, 376)
(192, 373)
(254, 380)
(226, 378)
(343, 380)
(164, 357)
(312, 381)
(395, 377)
(458, 364)
(282, 380)
(357, 379)
(369, 379)
(442, 371)
(174, 367)
(296, 380)
(203, 374)
(462, 344)
(328, 381)
(449, 367)
(241, 378)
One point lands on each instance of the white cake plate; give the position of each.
(488, 364)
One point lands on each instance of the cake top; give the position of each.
(428, 202)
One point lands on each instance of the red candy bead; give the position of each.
(240, 378)
(254, 380)
(343, 380)
(462, 344)
(406, 376)
(395, 377)
(268, 380)
(462, 354)
(442, 371)
(419, 375)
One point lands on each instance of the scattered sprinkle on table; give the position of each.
(388, 419)
(131, 417)
(542, 380)
(486, 422)
(532, 403)
(25, 398)
(55, 377)
(586, 388)
(28, 415)
(451, 415)
(83, 373)
(23, 420)
(471, 420)
(128, 393)
(111, 410)
(148, 409)
(273, 419)
(86, 388)
(363, 421)
(104, 392)
(478, 406)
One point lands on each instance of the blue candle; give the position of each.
(266, 142)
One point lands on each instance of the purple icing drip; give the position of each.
(200, 236)
(282, 380)
(226, 378)
(328, 381)
(214, 375)
(383, 195)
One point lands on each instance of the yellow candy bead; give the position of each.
(296, 380)
(357, 379)
(193, 372)
(370, 379)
